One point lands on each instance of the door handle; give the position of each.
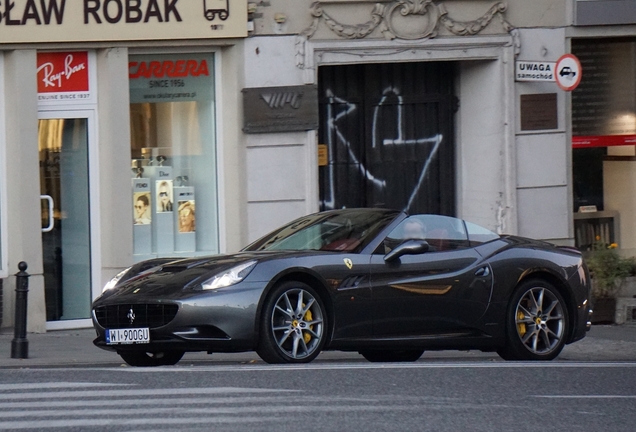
(483, 272)
(51, 220)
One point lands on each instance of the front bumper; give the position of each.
(223, 320)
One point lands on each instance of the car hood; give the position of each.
(172, 279)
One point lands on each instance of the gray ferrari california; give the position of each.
(380, 282)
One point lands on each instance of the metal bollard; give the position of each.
(20, 344)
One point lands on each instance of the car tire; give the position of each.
(382, 356)
(293, 324)
(142, 358)
(536, 322)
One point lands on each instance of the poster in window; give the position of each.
(141, 203)
(187, 216)
(164, 196)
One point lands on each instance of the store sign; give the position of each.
(280, 109)
(63, 77)
(24, 21)
(171, 78)
(534, 71)
(603, 141)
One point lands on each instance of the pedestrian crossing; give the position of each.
(114, 406)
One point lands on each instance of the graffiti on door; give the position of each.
(392, 135)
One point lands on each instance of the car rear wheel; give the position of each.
(537, 323)
(392, 356)
(142, 358)
(293, 324)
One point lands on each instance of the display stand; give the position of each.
(163, 225)
(142, 216)
(185, 219)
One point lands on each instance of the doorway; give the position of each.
(63, 144)
(389, 133)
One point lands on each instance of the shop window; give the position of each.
(173, 149)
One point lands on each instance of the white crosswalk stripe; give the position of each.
(46, 406)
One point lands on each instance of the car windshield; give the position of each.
(341, 230)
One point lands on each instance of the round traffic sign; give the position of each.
(568, 72)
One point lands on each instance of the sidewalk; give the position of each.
(70, 348)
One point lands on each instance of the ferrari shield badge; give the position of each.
(348, 263)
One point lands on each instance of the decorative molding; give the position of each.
(425, 8)
(470, 28)
(385, 15)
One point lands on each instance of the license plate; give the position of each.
(127, 336)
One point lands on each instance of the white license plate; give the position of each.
(127, 336)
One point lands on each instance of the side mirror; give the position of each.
(408, 247)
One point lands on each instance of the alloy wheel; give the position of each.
(297, 323)
(540, 320)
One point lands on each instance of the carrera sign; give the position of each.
(63, 77)
(171, 78)
(168, 69)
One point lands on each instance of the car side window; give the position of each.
(478, 235)
(442, 233)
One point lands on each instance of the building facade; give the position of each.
(117, 123)
(194, 128)
(604, 124)
(419, 109)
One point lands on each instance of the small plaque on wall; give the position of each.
(539, 111)
(280, 109)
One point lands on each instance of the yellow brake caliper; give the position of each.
(521, 327)
(308, 317)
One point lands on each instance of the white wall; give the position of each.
(23, 188)
(115, 230)
(231, 160)
(4, 271)
(619, 182)
(485, 167)
(544, 157)
(281, 168)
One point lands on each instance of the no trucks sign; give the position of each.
(568, 72)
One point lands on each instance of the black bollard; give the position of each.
(20, 344)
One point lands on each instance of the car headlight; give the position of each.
(113, 282)
(229, 277)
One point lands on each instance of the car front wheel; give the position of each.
(536, 324)
(293, 324)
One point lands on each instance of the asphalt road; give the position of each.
(324, 396)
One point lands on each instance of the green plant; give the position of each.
(608, 269)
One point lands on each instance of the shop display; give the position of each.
(173, 143)
(142, 219)
(164, 216)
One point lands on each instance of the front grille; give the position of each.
(145, 315)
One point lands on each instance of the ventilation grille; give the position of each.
(136, 315)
